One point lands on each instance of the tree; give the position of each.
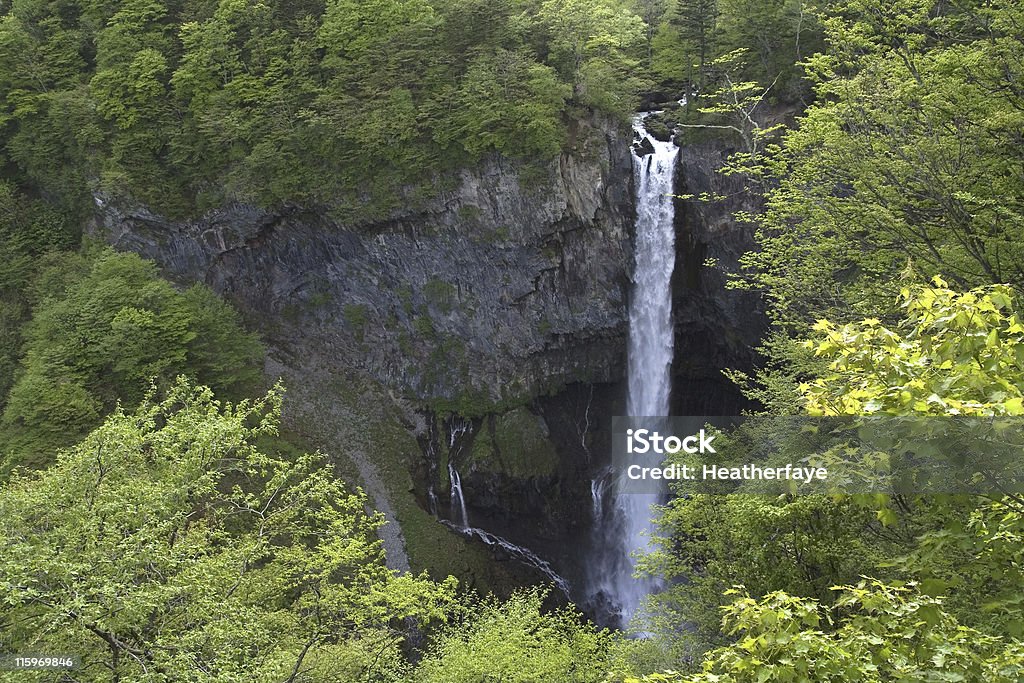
(47, 125)
(104, 328)
(740, 104)
(708, 542)
(653, 13)
(910, 151)
(508, 103)
(166, 547)
(777, 35)
(956, 354)
(130, 89)
(340, 105)
(28, 231)
(593, 45)
(874, 633)
(908, 161)
(696, 20)
(952, 354)
(518, 642)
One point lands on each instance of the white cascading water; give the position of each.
(650, 358)
(458, 500)
(457, 429)
(650, 311)
(524, 555)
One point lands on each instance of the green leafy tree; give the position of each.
(707, 543)
(594, 45)
(134, 55)
(908, 152)
(737, 107)
(653, 13)
(518, 642)
(778, 36)
(166, 547)
(873, 633)
(953, 354)
(384, 52)
(670, 58)
(344, 105)
(906, 162)
(695, 21)
(47, 127)
(101, 335)
(510, 104)
(28, 231)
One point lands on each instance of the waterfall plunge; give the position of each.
(650, 310)
(457, 429)
(650, 360)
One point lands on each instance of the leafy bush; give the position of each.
(518, 642)
(166, 547)
(874, 633)
(105, 327)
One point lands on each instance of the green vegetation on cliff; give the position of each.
(103, 328)
(183, 106)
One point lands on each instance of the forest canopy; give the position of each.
(184, 105)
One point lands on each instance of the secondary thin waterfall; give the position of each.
(650, 352)
(458, 499)
(457, 430)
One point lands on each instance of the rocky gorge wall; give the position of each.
(485, 329)
(715, 327)
(511, 284)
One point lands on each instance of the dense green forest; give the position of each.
(157, 524)
(184, 105)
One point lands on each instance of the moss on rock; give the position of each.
(515, 444)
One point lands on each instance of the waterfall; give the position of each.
(598, 491)
(650, 310)
(650, 359)
(597, 499)
(458, 427)
(458, 500)
(524, 555)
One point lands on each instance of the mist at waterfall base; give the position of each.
(623, 521)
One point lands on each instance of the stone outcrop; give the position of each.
(511, 284)
(715, 327)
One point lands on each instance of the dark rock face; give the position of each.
(643, 147)
(716, 328)
(507, 286)
(526, 475)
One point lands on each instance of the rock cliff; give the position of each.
(510, 284)
(716, 327)
(491, 324)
